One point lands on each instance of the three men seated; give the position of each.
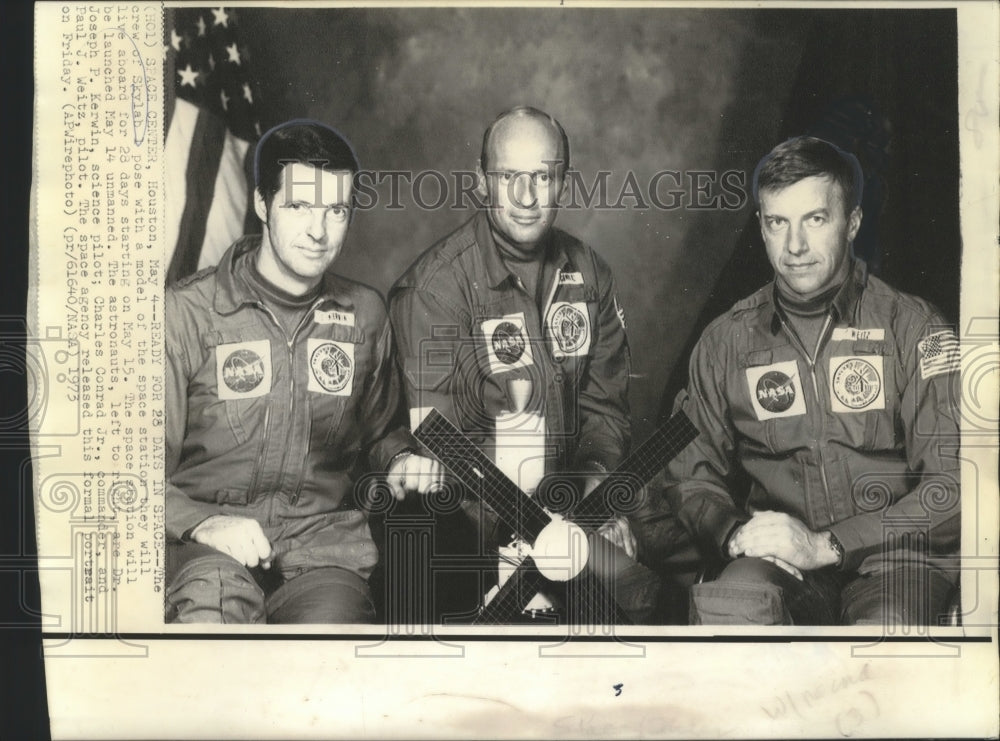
(287, 385)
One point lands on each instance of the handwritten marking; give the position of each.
(854, 717)
(804, 701)
(617, 688)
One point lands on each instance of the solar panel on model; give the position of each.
(588, 600)
(637, 470)
(517, 510)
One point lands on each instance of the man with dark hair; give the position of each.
(282, 389)
(833, 394)
(511, 316)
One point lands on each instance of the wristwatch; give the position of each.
(837, 547)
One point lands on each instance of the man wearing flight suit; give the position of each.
(510, 313)
(834, 393)
(282, 391)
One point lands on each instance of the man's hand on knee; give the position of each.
(777, 535)
(240, 537)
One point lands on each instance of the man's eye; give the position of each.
(295, 206)
(542, 177)
(817, 220)
(338, 212)
(505, 177)
(774, 224)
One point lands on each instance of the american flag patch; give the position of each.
(939, 353)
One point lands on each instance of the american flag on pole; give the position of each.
(939, 353)
(212, 127)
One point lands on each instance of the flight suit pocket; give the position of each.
(770, 405)
(572, 325)
(426, 381)
(424, 374)
(232, 496)
(239, 378)
(338, 367)
(864, 394)
(736, 603)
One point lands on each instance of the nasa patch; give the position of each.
(776, 390)
(243, 369)
(507, 343)
(331, 367)
(856, 383)
(569, 328)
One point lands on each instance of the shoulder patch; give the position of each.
(620, 312)
(940, 353)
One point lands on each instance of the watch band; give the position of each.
(837, 546)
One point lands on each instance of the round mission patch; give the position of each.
(569, 327)
(331, 367)
(242, 371)
(508, 343)
(856, 383)
(775, 392)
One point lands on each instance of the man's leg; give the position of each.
(322, 595)
(909, 593)
(751, 591)
(207, 586)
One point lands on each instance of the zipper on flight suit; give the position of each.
(255, 479)
(294, 497)
(289, 342)
(811, 362)
(539, 323)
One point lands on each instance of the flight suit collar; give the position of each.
(496, 269)
(844, 304)
(232, 293)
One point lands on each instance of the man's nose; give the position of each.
(317, 224)
(797, 242)
(524, 191)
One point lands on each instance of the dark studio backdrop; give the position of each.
(639, 91)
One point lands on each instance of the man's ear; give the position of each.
(259, 206)
(563, 184)
(481, 189)
(853, 223)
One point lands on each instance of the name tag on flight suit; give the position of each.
(331, 366)
(243, 369)
(876, 334)
(776, 390)
(333, 316)
(570, 279)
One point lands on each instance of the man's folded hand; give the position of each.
(240, 537)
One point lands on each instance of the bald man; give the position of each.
(509, 314)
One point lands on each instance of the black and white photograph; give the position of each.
(519, 371)
(552, 235)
